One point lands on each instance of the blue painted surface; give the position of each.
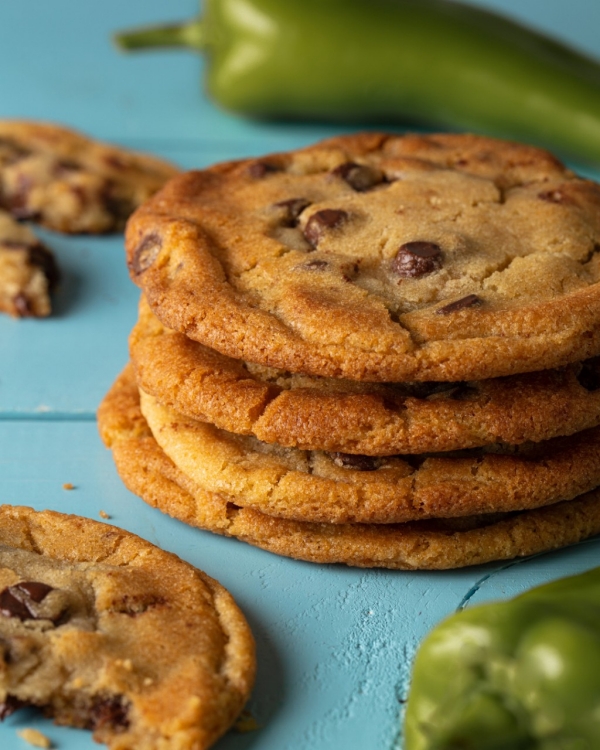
(334, 644)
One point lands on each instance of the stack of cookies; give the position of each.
(378, 350)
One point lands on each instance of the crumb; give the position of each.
(246, 723)
(103, 514)
(68, 486)
(35, 738)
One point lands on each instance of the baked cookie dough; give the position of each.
(105, 631)
(349, 488)
(311, 413)
(434, 545)
(71, 183)
(28, 271)
(379, 257)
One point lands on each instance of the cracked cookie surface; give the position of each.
(28, 271)
(312, 413)
(376, 257)
(434, 544)
(104, 631)
(347, 488)
(71, 183)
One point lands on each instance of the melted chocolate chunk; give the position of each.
(109, 713)
(146, 253)
(356, 462)
(461, 304)
(589, 375)
(16, 601)
(359, 176)
(10, 705)
(38, 255)
(34, 590)
(322, 221)
(118, 206)
(416, 259)
(290, 210)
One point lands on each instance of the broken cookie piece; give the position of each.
(104, 631)
(71, 183)
(28, 271)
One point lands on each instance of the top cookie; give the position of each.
(71, 183)
(376, 257)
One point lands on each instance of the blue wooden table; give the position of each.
(334, 644)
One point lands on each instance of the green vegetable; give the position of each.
(433, 61)
(516, 675)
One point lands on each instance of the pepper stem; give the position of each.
(190, 34)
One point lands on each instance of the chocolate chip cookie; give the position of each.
(336, 487)
(28, 271)
(103, 630)
(72, 183)
(312, 413)
(435, 544)
(379, 257)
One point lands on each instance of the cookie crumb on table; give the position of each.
(68, 486)
(35, 738)
(103, 514)
(246, 723)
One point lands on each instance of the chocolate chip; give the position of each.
(356, 462)
(589, 375)
(314, 265)
(461, 304)
(35, 590)
(16, 601)
(118, 206)
(289, 211)
(12, 606)
(109, 713)
(416, 259)
(259, 169)
(359, 176)
(321, 221)
(10, 705)
(41, 257)
(146, 253)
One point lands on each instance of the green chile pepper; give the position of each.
(433, 61)
(517, 675)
